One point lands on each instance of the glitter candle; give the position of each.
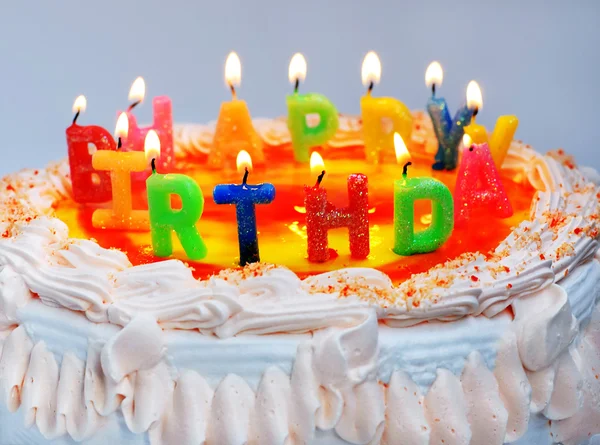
(234, 130)
(321, 215)
(502, 136)
(88, 184)
(478, 185)
(245, 197)
(300, 106)
(120, 165)
(406, 192)
(164, 220)
(447, 130)
(375, 111)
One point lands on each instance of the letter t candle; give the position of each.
(321, 215)
(245, 197)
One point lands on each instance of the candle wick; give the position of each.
(475, 111)
(371, 85)
(76, 116)
(405, 169)
(297, 85)
(246, 173)
(233, 93)
(153, 165)
(119, 143)
(433, 90)
(320, 179)
(133, 105)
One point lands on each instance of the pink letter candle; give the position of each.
(89, 185)
(478, 184)
(321, 215)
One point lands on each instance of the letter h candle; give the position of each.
(321, 215)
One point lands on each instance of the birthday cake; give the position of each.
(486, 332)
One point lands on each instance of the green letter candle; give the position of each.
(406, 192)
(163, 218)
(304, 137)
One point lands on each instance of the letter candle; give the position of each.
(321, 215)
(447, 130)
(406, 192)
(121, 165)
(164, 220)
(305, 137)
(234, 130)
(245, 197)
(89, 185)
(375, 111)
(478, 184)
(503, 133)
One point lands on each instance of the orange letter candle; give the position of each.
(121, 165)
(234, 131)
(376, 110)
(478, 184)
(503, 133)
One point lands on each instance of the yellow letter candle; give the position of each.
(164, 220)
(503, 133)
(301, 106)
(120, 165)
(234, 131)
(376, 110)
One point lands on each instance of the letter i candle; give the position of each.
(245, 196)
(321, 215)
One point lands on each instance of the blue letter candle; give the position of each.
(449, 132)
(245, 197)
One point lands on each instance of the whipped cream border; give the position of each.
(82, 276)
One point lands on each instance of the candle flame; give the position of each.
(434, 74)
(137, 92)
(474, 98)
(243, 161)
(233, 70)
(297, 69)
(152, 145)
(371, 69)
(467, 141)
(122, 126)
(317, 165)
(80, 104)
(402, 153)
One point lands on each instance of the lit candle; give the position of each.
(164, 220)
(478, 184)
(120, 165)
(245, 197)
(162, 124)
(503, 133)
(300, 106)
(234, 129)
(406, 192)
(447, 130)
(89, 185)
(375, 111)
(321, 215)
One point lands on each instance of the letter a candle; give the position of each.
(245, 196)
(164, 220)
(321, 215)
(305, 137)
(406, 192)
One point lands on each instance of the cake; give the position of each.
(494, 338)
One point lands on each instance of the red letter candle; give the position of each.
(162, 124)
(234, 131)
(321, 215)
(89, 185)
(478, 184)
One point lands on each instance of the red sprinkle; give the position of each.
(509, 286)
(542, 256)
(474, 278)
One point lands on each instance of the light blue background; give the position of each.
(535, 59)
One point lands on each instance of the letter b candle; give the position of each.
(321, 216)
